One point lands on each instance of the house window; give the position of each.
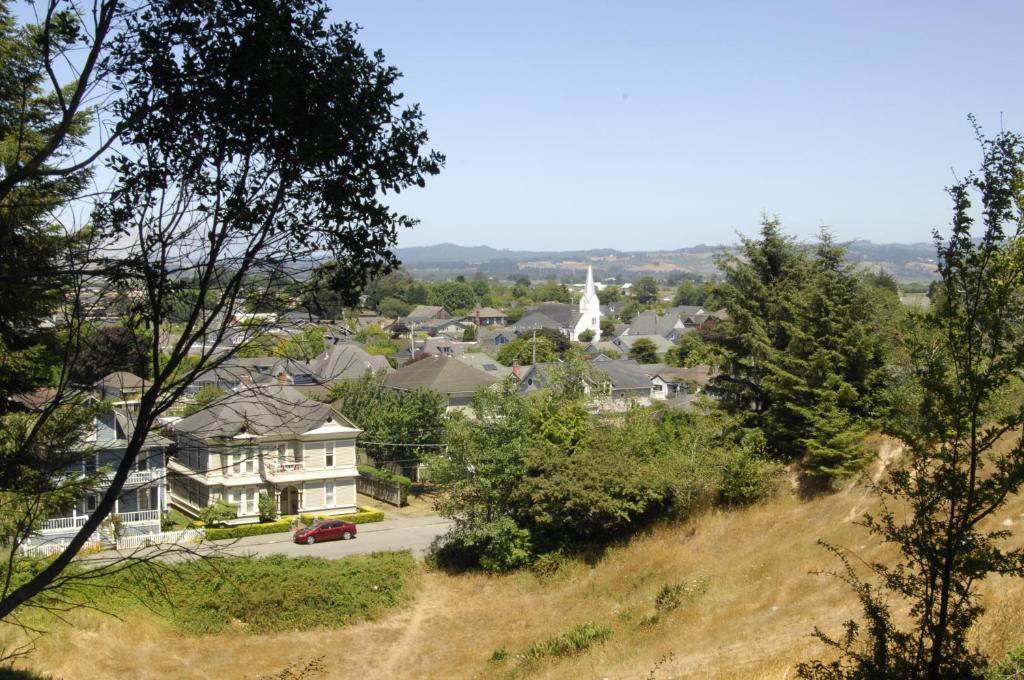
(329, 495)
(329, 454)
(236, 463)
(282, 453)
(92, 462)
(299, 452)
(91, 502)
(142, 463)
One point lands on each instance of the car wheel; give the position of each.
(310, 540)
(347, 535)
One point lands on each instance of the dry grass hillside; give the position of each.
(751, 615)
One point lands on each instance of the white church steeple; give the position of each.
(590, 309)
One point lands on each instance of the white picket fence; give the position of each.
(194, 535)
(51, 548)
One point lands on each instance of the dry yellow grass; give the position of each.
(754, 621)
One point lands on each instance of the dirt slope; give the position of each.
(754, 620)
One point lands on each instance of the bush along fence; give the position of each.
(383, 485)
(364, 516)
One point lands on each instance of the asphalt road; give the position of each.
(397, 533)
(394, 533)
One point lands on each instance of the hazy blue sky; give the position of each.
(667, 124)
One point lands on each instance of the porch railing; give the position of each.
(66, 523)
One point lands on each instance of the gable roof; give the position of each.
(440, 374)
(487, 313)
(624, 375)
(661, 343)
(345, 361)
(260, 410)
(423, 312)
(697, 374)
(549, 315)
(122, 380)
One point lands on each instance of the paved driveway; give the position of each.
(394, 533)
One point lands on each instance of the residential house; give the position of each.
(488, 316)
(624, 343)
(119, 385)
(673, 381)
(265, 439)
(344, 361)
(422, 313)
(609, 381)
(445, 375)
(142, 502)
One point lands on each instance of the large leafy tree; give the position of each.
(251, 139)
(965, 456)
(397, 426)
(645, 290)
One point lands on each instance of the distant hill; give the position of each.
(905, 261)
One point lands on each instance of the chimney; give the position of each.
(517, 370)
(282, 378)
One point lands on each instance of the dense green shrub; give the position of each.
(499, 545)
(244, 530)
(1010, 667)
(220, 511)
(571, 642)
(257, 595)
(268, 508)
(746, 478)
(387, 476)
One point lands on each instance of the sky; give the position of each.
(659, 125)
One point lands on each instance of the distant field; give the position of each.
(919, 300)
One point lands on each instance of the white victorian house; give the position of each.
(265, 439)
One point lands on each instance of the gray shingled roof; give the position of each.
(661, 344)
(259, 410)
(624, 375)
(440, 374)
(122, 380)
(485, 363)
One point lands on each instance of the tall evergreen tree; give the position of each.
(801, 349)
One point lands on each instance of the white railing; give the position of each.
(194, 535)
(277, 467)
(139, 517)
(66, 523)
(141, 477)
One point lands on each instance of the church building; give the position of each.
(568, 319)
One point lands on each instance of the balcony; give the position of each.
(276, 467)
(139, 477)
(64, 524)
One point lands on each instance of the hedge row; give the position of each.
(364, 516)
(387, 476)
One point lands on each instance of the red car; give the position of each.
(326, 530)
